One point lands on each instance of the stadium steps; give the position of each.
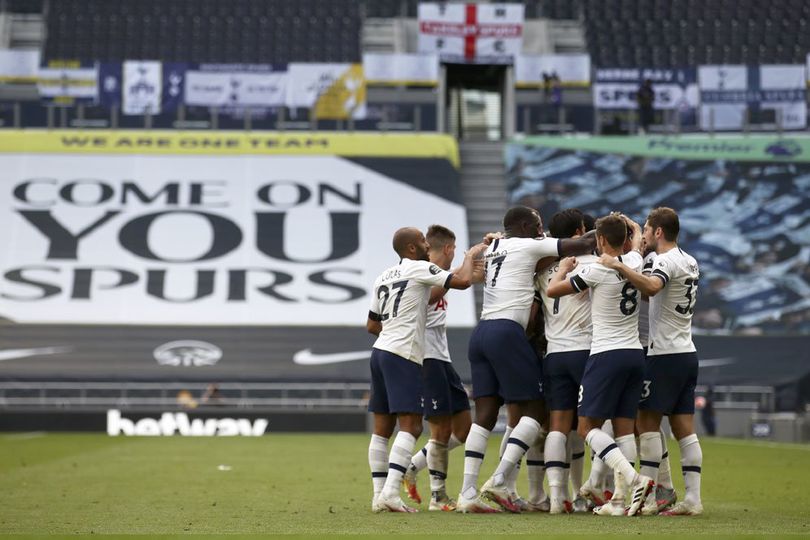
(483, 190)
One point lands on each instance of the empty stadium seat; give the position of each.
(258, 31)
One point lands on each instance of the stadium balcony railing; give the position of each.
(346, 396)
(15, 395)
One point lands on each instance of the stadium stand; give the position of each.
(247, 31)
(677, 33)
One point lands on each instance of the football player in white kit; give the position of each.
(447, 408)
(397, 316)
(672, 363)
(503, 365)
(568, 334)
(612, 381)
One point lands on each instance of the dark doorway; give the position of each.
(474, 101)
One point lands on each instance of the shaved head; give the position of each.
(406, 237)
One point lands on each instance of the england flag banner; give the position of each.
(726, 92)
(471, 33)
(143, 86)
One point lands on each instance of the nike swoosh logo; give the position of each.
(308, 358)
(14, 354)
(714, 362)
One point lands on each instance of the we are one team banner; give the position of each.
(226, 228)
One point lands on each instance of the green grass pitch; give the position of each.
(319, 485)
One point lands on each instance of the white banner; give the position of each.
(19, 65)
(55, 83)
(203, 239)
(616, 88)
(401, 68)
(727, 93)
(572, 69)
(143, 85)
(335, 90)
(235, 89)
(482, 33)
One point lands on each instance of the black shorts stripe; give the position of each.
(578, 455)
(379, 475)
(690, 468)
(518, 442)
(603, 453)
(473, 454)
(645, 463)
(396, 467)
(535, 463)
(552, 464)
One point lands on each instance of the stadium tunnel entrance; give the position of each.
(475, 99)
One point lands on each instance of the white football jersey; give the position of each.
(672, 308)
(614, 304)
(509, 276)
(400, 300)
(436, 331)
(644, 307)
(567, 319)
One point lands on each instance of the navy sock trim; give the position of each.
(424, 450)
(397, 467)
(690, 468)
(473, 454)
(567, 466)
(665, 456)
(535, 463)
(379, 475)
(518, 442)
(578, 455)
(603, 453)
(550, 464)
(645, 463)
(438, 474)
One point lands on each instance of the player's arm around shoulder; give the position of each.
(578, 246)
(647, 285)
(559, 284)
(470, 270)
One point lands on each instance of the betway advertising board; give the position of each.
(170, 228)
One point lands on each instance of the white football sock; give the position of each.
(536, 467)
(691, 463)
(608, 451)
(419, 459)
(649, 445)
(378, 462)
(437, 465)
(398, 461)
(474, 450)
(555, 463)
(521, 439)
(664, 471)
